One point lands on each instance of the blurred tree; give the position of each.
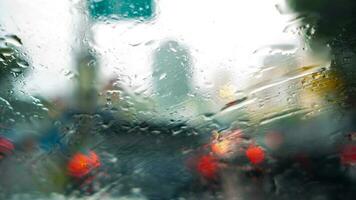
(172, 73)
(331, 19)
(12, 61)
(13, 67)
(332, 23)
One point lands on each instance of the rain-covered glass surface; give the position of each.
(177, 99)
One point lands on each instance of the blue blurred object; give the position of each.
(51, 139)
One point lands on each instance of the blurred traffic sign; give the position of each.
(121, 9)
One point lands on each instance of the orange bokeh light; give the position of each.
(221, 148)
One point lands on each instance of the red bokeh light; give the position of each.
(6, 147)
(82, 164)
(255, 154)
(207, 166)
(348, 154)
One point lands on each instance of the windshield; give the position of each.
(179, 99)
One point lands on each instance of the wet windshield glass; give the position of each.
(179, 99)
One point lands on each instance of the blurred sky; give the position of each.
(221, 35)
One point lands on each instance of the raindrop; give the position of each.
(13, 40)
(162, 76)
